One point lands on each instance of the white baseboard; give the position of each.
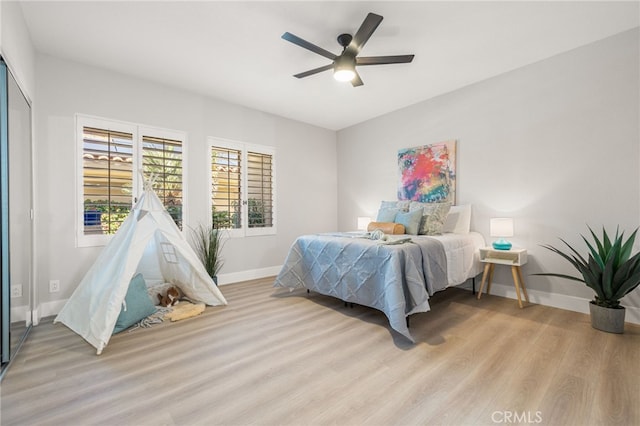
(254, 274)
(20, 313)
(36, 316)
(49, 309)
(562, 301)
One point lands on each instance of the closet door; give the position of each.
(16, 218)
(5, 306)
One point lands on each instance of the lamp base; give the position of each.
(501, 244)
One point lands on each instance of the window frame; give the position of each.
(137, 132)
(244, 148)
(157, 132)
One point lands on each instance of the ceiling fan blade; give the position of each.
(309, 46)
(381, 60)
(357, 81)
(313, 71)
(361, 37)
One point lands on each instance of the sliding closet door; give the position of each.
(16, 218)
(4, 216)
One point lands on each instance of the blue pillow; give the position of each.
(386, 215)
(410, 220)
(137, 306)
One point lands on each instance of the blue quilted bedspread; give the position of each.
(396, 279)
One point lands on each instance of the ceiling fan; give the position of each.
(344, 65)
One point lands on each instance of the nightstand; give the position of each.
(516, 257)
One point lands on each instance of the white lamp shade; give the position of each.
(501, 227)
(344, 68)
(363, 222)
(344, 74)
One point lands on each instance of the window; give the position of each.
(107, 158)
(112, 156)
(163, 158)
(242, 187)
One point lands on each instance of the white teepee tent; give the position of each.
(148, 236)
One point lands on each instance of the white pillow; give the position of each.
(458, 220)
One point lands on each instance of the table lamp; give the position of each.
(501, 227)
(363, 222)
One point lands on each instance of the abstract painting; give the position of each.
(428, 173)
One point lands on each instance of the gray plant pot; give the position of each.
(607, 319)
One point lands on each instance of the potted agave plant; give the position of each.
(610, 271)
(207, 243)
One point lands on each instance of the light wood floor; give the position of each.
(292, 359)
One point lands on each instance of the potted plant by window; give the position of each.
(207, 243)
(610, 271)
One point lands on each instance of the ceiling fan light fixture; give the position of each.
(344, 74)
(344, 68)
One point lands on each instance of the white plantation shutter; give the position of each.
(111, 155)
(226, 201)
(242, 187)
(163, 157)
(107, 159)
(259, 190)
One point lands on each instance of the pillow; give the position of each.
(137, 304)
(433, 216)
(185, 310)
(458, 220)
(386, 227)
(386, 215)
(402, 205)
(410, 220)
(388, 205)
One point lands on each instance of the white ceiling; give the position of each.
(232, 50)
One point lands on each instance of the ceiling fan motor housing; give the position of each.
(344, 61)
(344, 40)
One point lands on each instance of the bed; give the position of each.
(396, 276)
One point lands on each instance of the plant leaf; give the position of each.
(627, 286)
(599, 254)
(551, 274)
(608, 272)
(609, 269)
(625, 252)
(207, 242)
(575, 261)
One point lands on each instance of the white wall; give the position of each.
(19, 54)
(16, 46)
(305, 166)
(555, 145)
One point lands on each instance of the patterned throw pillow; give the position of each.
(433, 216)
(402, 205)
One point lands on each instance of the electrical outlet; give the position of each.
(16, 290)
(54, 286)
